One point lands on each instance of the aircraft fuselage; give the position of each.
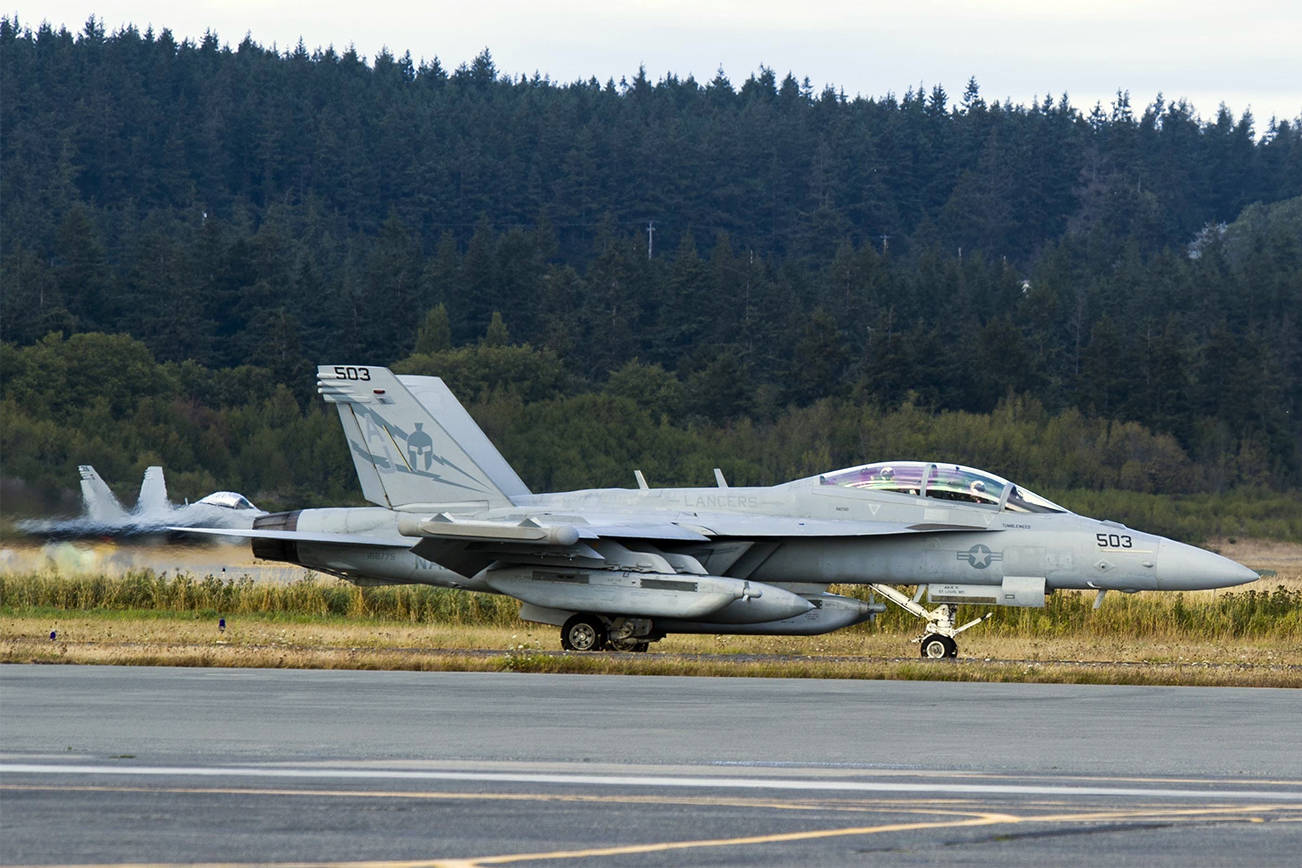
(1068, 551)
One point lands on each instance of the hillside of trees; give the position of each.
(829, 279)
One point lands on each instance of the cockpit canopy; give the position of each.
(943, 481)
(228, 500)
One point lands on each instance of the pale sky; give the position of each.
(1245, 54)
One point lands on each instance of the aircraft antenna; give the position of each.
(650, 237)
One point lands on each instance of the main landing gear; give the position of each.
(588, 632)
(583, 632)
(938, 641)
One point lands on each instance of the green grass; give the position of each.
(1251, 613)
(145, 591)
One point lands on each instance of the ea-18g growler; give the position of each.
(623, 567)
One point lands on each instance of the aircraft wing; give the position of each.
(302, 536)
(467, 546)
(740, 525)
(659, 531)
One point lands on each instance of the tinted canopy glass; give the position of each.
(228, 500)
(942, 481)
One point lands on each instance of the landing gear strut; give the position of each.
(938, 640)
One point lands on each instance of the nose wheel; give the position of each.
(937, 647)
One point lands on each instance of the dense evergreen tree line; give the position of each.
(274, 210)
(103, 399)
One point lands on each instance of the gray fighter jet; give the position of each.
(104, 515)
(620, 568)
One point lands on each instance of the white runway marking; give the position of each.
(618, 780)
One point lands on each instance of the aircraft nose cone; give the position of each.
(1183, 567)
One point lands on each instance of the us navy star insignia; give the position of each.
(979, 556)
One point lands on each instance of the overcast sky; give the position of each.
(1245, 54)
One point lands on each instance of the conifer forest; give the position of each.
(655, 272)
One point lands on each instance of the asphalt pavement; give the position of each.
(107, 765)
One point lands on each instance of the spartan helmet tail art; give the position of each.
(420, 448)
(412, 442)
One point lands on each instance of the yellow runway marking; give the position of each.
(959, 819)
(619, 850)
(783, 837)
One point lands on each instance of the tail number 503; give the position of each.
(352, 373)
(1113, 541)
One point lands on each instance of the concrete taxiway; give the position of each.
(105, 765)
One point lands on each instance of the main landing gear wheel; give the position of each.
(937, 647)
(583, 633)
(634, 645)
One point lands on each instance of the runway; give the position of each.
(105, 765)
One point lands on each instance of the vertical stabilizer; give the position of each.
(153, 493)
(99, 501)
(412, 451)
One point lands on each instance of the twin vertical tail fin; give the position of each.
(100, 503)
(153, 493)
(413, 444)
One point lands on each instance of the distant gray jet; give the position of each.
(104, 515)
(620, 568)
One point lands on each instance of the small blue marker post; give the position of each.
(221, 625)
(53, 634)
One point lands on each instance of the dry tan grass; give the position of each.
(83, 628)
(179, 641)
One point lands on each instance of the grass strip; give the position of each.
(1264, 613)
(299, 657)
(174, 639)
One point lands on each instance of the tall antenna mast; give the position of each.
(650, 237)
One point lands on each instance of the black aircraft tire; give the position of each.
(583, 633)
(938, 647)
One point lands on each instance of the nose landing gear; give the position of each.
(938, 640)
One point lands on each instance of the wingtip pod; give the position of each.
(446, 527)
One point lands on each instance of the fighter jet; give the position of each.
(104, 515)
(621, 568)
